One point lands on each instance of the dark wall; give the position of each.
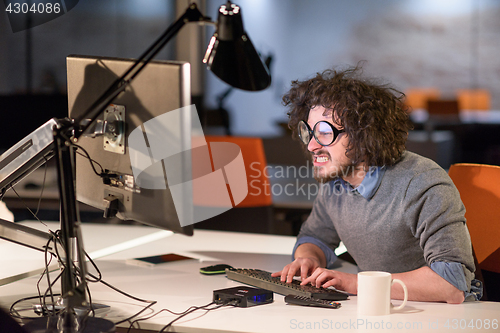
(22, 114)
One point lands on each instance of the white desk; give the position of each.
(178, 285)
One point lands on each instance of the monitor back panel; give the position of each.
(161, 87)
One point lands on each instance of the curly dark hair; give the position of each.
(373, 115)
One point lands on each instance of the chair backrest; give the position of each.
(252, 150)
(479, 187)
(443, 107)
(474, 99)
(417, 98)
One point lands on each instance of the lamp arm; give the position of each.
(72, 291)
(192, 14)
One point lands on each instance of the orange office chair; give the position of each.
(254, 213)
(474, 99)
(417, 98)
(479, 187)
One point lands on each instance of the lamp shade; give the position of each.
(231, 55)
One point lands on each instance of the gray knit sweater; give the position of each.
(414, 218)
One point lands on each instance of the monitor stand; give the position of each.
(74, 272)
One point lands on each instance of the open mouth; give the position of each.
(321, 159)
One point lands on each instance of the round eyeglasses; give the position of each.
(324, 133)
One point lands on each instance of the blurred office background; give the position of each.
(446, 44)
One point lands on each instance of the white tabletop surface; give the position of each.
(179, 285)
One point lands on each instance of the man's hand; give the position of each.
(300, 266)
(325, 278)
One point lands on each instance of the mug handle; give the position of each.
(406, 294)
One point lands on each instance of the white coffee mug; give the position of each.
(374, 293)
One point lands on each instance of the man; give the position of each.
(395, 211)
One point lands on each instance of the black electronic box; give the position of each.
(243, 296)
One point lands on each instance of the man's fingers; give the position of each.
(311, 279)
(287, 270)
(290, 275)
(322, 279)
(303, 273)
(284, 273)
(330, 283)
(275, 274)
(307, 280)
(300, 266)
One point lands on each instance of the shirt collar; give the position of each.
(368, 186)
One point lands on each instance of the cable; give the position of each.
(106, 175)
(46, 271)
(151, 303)
(15, 314)
(99, 279)
(56, 238)
(95, 279)
(51, 294)
(188, 310)
(35, 214)
(45, 310)
(42, 298)
(185, 314)
(24, 203)
(92, 161)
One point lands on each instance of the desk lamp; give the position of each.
(232, 58)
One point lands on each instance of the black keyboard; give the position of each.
(262, 279)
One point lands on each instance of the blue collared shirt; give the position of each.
(450, 271)
(368, 186)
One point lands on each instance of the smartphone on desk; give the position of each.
(152, 261)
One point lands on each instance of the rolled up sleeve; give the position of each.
(329, 253)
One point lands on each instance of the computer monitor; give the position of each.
(161, 87)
